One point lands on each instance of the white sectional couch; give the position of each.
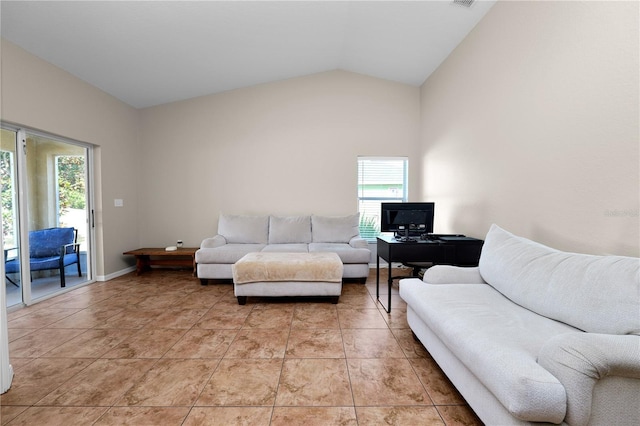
(241, 234)
(535, 334)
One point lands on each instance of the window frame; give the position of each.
(369, 231)
(11, 162)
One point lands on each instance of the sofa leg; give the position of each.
(242, 300)
(334, 299)
(204, 281)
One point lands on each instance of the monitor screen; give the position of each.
(416, 218)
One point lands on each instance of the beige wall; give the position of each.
(285, 148)
(532, 123)
(40, 96)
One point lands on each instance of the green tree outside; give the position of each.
(71, 182)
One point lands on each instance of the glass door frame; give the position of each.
(22, 133)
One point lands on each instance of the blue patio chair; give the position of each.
(52, 248)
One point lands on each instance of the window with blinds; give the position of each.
(380, 179)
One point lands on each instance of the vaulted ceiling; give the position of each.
(148, 53)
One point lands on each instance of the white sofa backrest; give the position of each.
(334, 229)
(597, 294)
(289, 229)
(244, 229)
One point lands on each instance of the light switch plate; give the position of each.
(118, 202)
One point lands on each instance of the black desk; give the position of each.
(457, 250)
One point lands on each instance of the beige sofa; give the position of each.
(535, 334)
(242, 234)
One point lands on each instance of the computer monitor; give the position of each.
(409, 219)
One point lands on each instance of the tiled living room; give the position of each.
(160, 348)
(514, 116)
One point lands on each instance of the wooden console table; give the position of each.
(146, 257)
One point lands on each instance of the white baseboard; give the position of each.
(115, 274)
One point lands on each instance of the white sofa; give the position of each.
(535, 334)
(240, 234)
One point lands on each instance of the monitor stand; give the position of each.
(406, 238)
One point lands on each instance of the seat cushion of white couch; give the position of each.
(347, 253)
(228, 253)
(597, 294)
(287, 248)
(497, 340)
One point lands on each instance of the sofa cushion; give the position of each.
(286, 248)
(290, 229)
(347, 253)
(597, 294)
(244, 229)
(334, 229)
(228, 253)
(497, 340)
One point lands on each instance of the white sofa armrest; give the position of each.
(213, 242)
(579, 360)
(447, 274)
(357, 242)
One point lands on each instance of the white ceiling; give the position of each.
(148, 53)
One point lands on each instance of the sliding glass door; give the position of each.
(10, 231)
(45, 215)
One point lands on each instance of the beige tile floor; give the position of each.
(160, 349)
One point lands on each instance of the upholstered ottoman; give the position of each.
(274, 274)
